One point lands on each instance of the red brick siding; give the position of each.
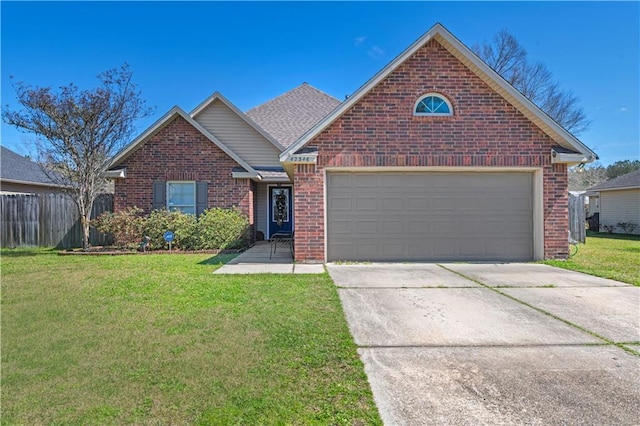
(309, 213)
(381, 130)
(180, 152)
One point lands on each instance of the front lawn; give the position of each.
(159, 339)
(614, 256)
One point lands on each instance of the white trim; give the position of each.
(326, 211)
(538, 214)
(217, 95)
(292, 216)
(32, 183)
(537, 194)
(476, 65)
(433, 114)
(310, 158)
(161, 123)
(275, 179)
(245, 175)
(569, 158)
(470, 169)
(621, 188)
(259, 178)
(114, 174)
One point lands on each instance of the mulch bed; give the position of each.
(113, 251)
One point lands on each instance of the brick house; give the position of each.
(436, 157)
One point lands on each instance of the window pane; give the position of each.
(432, 105)
(181, 194)
(280, 202)
(441, 108)
(183, 209)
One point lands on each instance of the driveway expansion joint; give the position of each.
(540, 345)
(404, 288)
(469, 355)
(542, 311)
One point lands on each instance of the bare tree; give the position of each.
(533, 79)
(581, 179)
(79, 130)
(584, 178)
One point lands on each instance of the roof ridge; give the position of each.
(304, 83)
(628, 179)
(320, 91)
(289, 115)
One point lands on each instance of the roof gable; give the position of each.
(627, 181)
(438, 33)
(234, 130)
(217, 97)
(289, 115)
(161, 124)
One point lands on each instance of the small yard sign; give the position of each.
(169, 237)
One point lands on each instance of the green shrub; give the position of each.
(183, 225)
(216, 228)
(126, 226)
(223, 229)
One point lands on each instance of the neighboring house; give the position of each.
(20, 175)
(594, 202)
(619, 202)
(436, 157)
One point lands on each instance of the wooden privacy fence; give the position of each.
(577, 218)
(47, 220)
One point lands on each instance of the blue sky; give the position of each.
(180, 53)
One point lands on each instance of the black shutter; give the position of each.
(202, 190)
(159, 195)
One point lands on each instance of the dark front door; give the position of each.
(280, 210)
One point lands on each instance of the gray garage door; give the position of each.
(429, 216)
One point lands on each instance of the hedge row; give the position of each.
(215, 228)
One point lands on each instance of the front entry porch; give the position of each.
(273, 209)
(260, 260)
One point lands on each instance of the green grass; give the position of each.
(614, 256)
(159, 339)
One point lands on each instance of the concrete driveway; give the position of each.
(494, 343)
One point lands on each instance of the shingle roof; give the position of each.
(290, 115)
(629, 180)
(561, 149)
(266, 172)
(15, 167)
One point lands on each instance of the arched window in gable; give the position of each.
(433, 104)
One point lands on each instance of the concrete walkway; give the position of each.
(483, 344)
(257, 260)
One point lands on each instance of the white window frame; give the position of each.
(178, 207)
(433, 114)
